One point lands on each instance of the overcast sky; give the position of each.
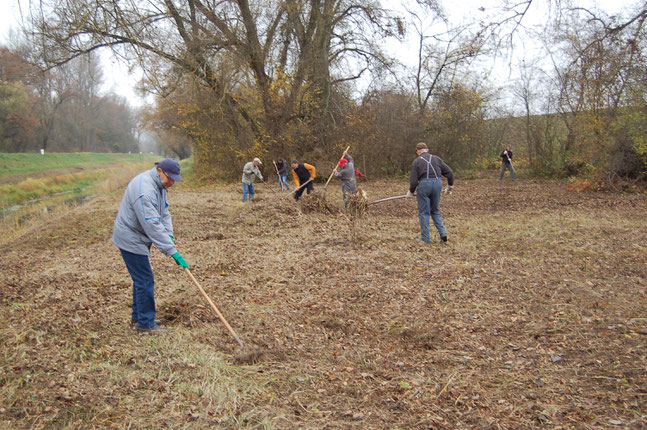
(115, 75)
(117, 78)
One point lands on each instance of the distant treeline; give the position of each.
(61, 109)
(304, 79)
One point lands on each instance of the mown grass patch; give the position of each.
(22, 163)
(32, 200)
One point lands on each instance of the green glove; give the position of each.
(171, 238)
(179, 260)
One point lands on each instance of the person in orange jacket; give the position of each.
(303, 172)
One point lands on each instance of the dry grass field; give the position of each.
(533, 315)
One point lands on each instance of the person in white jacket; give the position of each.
(250, 173)
(143, 220)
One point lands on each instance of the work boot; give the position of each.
(152, 330)
(134, 323)
(443, 238)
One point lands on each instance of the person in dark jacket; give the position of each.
(506, 163)
(143, 220)
(345, 170)
(426, 172)
(302, 173)
(282, 170)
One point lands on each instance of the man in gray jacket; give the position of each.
(345, 170)
(250, 172)
(144, 220)
(426, 172)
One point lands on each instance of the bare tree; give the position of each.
(596, 68)
(54, 90)
(87, 77)
(441, 54)
(540, 127)
(288, 51)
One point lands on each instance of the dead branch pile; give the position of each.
(357, 203)
(282, 206)
(316, 203)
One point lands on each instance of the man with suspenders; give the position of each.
(426, 172)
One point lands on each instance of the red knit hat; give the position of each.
(342, 161)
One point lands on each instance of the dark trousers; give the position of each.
(428, 201)
(141, 273)
(509, 167)
(308, 187)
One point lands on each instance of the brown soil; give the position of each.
(534, 314)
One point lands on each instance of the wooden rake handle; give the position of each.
(271, 188)
(297, 189)
(333, 172)
(214, 308)
(387, 199)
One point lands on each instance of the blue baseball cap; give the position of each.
(171, 168)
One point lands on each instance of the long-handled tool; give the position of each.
(297, 189)
(509, 161)
(387, 199)
(333, 171)
(244, 355)
(277, 173)
(277, 169)
(271, 188)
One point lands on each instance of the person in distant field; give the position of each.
(282, 169)
(506, 163)
(302, 173)
(426, 172)
(345, 170)
(143, 220)
(250, 173)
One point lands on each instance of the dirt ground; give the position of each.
(533, 315)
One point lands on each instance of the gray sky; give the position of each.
(118, 80)
(116, 76)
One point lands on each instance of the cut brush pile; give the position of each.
(357, 203)
(316, 203)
